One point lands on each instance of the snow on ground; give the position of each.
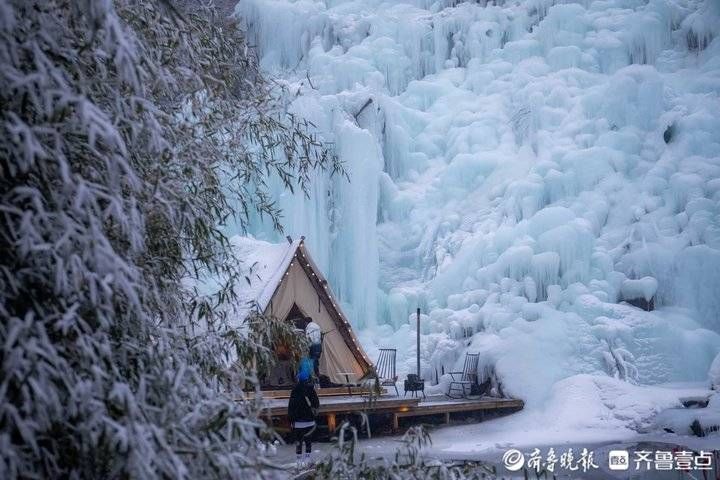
(600, 428)
(612, 410)
(582, 409)
(518, 170)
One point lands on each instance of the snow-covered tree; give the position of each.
(620, 363)
(130, 130)
(714, 373)
(613, 335)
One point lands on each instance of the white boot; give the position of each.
(299, 461)
(307, 459)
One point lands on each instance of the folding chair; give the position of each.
(465, 379)
(385, 368)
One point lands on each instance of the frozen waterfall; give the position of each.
(521, 170)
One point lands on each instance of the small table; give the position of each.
(347, 380)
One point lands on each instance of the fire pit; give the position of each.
(414, 384)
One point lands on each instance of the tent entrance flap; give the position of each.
(297, 317)
(282, 373)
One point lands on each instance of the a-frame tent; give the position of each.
(285, 282)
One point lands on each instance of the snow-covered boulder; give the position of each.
(698, 420)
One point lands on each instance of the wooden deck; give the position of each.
(321, 392)
(399, 407)
(441, 404)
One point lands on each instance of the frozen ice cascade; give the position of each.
(541, 178)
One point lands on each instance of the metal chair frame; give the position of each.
(468, 376)
(385, 368)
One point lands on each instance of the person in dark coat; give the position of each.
(302, 409)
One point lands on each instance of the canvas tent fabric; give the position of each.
(283, 276)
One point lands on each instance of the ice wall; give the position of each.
(338, 217)
(520, 171)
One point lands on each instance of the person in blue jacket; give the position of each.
(302, 410)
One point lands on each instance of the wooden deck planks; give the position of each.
(470, 405)
(439, 406)
(399, 407)
(346, 404)
(321, 392)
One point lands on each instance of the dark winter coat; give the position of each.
(315, 350)
(300, 409)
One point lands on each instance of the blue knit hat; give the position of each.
(305, 369)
